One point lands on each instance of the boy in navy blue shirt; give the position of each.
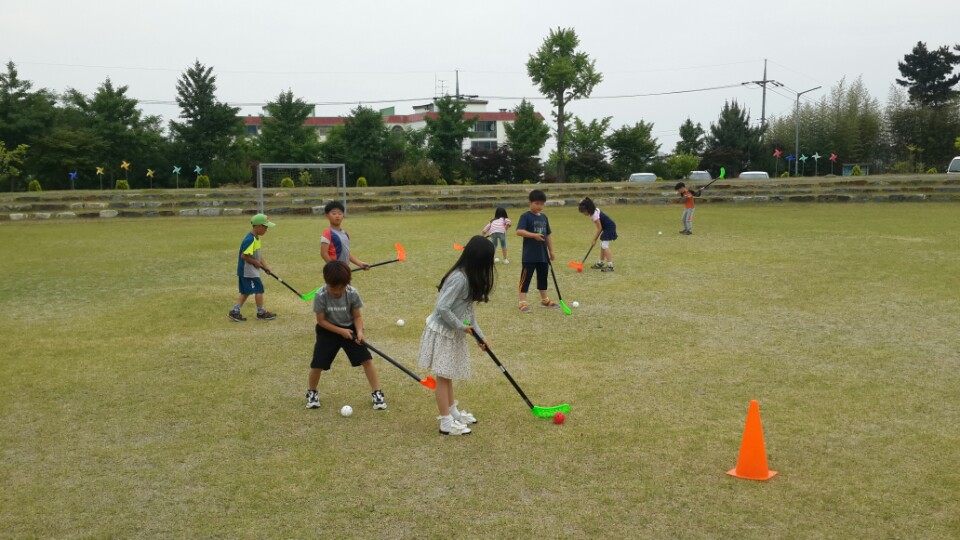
(534, 227)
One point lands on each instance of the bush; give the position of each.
(441, 182)
(527, 181)
(785, 174)
(421, 172)
(286, 182)
(901, 167)
(361, 182)
(203, 182)
(34, 185)
(122, 184)
(856, 171)
(305, 178)
(932, 170)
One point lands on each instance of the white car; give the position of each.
(699, 175)
(954, 167)
(754, 175)
(642, 177)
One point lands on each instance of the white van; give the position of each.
(954, 167)
(699, 175)
(642, 177)
(754, 175)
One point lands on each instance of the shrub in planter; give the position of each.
(361, 182)
(286, 182)
(203, 182)
(856, 171)
(122, 184)
(34, 185)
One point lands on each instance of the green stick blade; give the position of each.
(548, 412)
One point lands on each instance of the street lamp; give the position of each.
(796, 140)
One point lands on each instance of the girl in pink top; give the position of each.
(496, 229)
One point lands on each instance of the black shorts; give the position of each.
(526, 276)
(329, 344)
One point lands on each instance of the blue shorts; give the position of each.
(608, 234)
(251, 285)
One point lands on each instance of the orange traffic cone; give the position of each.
(752, 463)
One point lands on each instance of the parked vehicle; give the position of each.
(642, 177)
(954, 167)
(699, 175)
(754, 175)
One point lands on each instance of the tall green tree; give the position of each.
(11, 163)
(285, 137)
(445, 135)
(927, 75)
(365, 135)
(587, 150)
(210, 128)
(562, 74)
(732, 143)
(691, 138)
(117, 132)
(632, 149)
(526, 136)
(25, 114)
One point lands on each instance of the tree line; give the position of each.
(72, 140)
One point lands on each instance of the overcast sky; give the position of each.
(401, 52)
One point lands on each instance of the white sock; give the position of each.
(454, 412)
(445, 421)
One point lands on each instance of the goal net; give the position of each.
(274, 176)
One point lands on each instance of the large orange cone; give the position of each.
(752, 463)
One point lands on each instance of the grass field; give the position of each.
(130, 406)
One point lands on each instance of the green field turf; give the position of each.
(130, 406)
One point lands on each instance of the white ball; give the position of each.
(346, 410)
(576, 304)
(659, 232)
(496, 259)
(400, 322)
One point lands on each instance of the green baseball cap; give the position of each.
(261, 219)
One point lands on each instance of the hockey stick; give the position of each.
(578, 266)
(429, 381)
(540, 412)
(308, 296)
(722, 173)
(555, 285)
(401, 256)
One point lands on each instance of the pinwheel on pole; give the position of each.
(833, 159)
(150, 176)
(791, 158)
(176, 171)
(816, 163)
(125, 165)
(803, 159)
(100, 174)
(777, 153)
(73, 179)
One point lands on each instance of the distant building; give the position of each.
(488, 132)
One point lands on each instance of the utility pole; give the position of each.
(796, 141)
(763, 83)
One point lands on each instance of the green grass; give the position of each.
(130, 406)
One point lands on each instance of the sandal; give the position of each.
(549, 304)
(524, 308)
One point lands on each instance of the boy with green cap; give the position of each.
(249, 263)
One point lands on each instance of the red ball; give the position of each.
(558, 418)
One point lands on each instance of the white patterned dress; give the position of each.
(444, 346)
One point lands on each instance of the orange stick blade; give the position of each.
(457, 246)
(401, 254)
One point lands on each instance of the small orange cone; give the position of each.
(752, 462)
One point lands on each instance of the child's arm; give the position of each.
(358, 262)
(256, 263)
(358, 323)
(326, 325)
(325, 253)
(486, 229)
(549, 241)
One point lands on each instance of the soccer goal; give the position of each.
(322, 175)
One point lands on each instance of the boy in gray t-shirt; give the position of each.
(340, 326)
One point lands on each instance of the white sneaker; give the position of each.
(462, 416)
(506, 261)
(449, 426)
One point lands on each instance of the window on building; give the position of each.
(484, 129)
(253, 130)
(483, 145)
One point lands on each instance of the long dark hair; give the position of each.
(500, 212)
(586, 205)
(476, 262)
